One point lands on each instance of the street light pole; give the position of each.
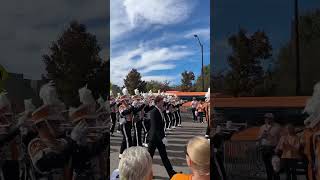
(297, 48)
(202, 74)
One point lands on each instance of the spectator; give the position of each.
(268, 135)
(200, 110)
(289, 146)
(198, 160)
(194, 105)
(135, 164)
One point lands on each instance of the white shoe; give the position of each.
(206, 135)
(118, 131)
(145, 145)
(173, 127)
(179, 125)
(168, 129)
(120, 156)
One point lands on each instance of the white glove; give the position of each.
(135, 103)
(79, 131)
(276, 163)
(165, 141)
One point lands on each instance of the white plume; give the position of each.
(100, 101)
(86, 96)
(125, 91)
(4, 101)
(136, 92)
(28, 105)
(111, 93)
(313, 103)
(49, 95)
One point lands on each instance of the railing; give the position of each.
(242, 158)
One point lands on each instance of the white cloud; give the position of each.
(157, 67)
(132, 15)
(203, 33)
(156, 11)
(160, 78)
(145, 60)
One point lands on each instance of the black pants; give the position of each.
(267, 153)
(289, 166)
(146, 127)
(153, 145)
(126, 133)
(194, 114)
(137, 133)
(200, 114)
(119, 125)
(171, 115)
(166, 117)
(170, 119)
(114, 122)
(176, 117)
(179, 115)
(10, 170)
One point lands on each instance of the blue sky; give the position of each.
(156, 37)
(272, 16)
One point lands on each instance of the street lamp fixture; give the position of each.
(202, 74)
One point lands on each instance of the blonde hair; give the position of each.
(198, 150)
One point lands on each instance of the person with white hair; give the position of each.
(135, 164)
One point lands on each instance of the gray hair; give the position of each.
(135, 164)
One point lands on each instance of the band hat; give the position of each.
(82, 112)
(5, 106)
(136, 97)
(46, 112)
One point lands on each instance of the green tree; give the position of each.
(74, 61)
(186, 81)
(156, 85)
(198, 83)
(246, 72)
(115, 89)
(133, 81)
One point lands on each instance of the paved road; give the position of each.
(177, 139)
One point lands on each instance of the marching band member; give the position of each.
(89, 162)
(126, 118)
(51, 151)
(113, 108)
(138, 107)
(28, 132)
(11, 154)
(310, 133)
(146, 121)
